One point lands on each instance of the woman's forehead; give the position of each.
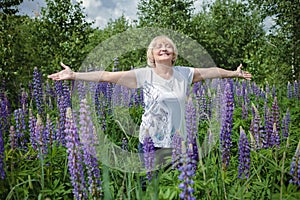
(162, 41)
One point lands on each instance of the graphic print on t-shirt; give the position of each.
(155, 119)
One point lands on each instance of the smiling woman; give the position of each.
(164, 85)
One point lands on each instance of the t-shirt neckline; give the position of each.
(167, 80)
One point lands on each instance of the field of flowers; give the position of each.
(242, 143)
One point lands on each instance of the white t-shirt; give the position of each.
(164, 101)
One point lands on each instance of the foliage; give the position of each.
(285, 30)
(59, 33)
(228, 30)
(172, 14)
(231, 31)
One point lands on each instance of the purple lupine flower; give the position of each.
(109, 91)
(203, 106)
(226, 124)
(176, 149)
(89, 142)
(124, 144)
(286, 123)
(20, 128)
(295, 167)
(271, 119)
(39, 134)
(100, 104)
(32, 125)
(245, 92)
(38, 90)
(4, 111)
(244, 111)
(255, 129)
(125, 96)
(149, 155)
(116, 95)
(191, 129)
(244, 156)
(49, 132)
(255, 89)
(66, 94)
(49, 96)
(296, 89)
(275, 135)
(2, 155)
(74, 157)
(135, 98)
(186, 176)
(196, 87)
(58, 89)
(81, 89)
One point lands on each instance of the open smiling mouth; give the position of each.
(165, 53)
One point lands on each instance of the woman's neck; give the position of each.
(163, 70)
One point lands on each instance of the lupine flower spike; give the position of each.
(2, 155)
(244, 156)
(186, 177)
(74, 156)
(226, 129)
(295, 167)
(149, 155)
(176, 149)
(89, 143)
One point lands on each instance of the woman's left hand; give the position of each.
(243, 74)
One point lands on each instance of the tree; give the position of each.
(9, 7)
(64, 33)
(58, 34)
(10, 45)
(285, 35)
(228, 30)
(172, 14)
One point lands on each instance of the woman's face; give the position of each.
(163, 51)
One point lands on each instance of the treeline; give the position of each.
(231, 31)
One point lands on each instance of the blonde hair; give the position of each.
(150, 57)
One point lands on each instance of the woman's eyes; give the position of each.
(161, 45)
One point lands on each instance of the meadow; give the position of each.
(77, 140)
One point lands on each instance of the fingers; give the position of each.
(54, 76)
(64, 66)
(244, 74)
(247, 75)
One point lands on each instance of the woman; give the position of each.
(165, 87)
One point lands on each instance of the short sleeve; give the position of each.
(187, 72)
(141, 75)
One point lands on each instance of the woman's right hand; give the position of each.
(66, 74)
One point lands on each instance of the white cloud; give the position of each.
(101, 11)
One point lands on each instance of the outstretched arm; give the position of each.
(125, 78)
(215, 72)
